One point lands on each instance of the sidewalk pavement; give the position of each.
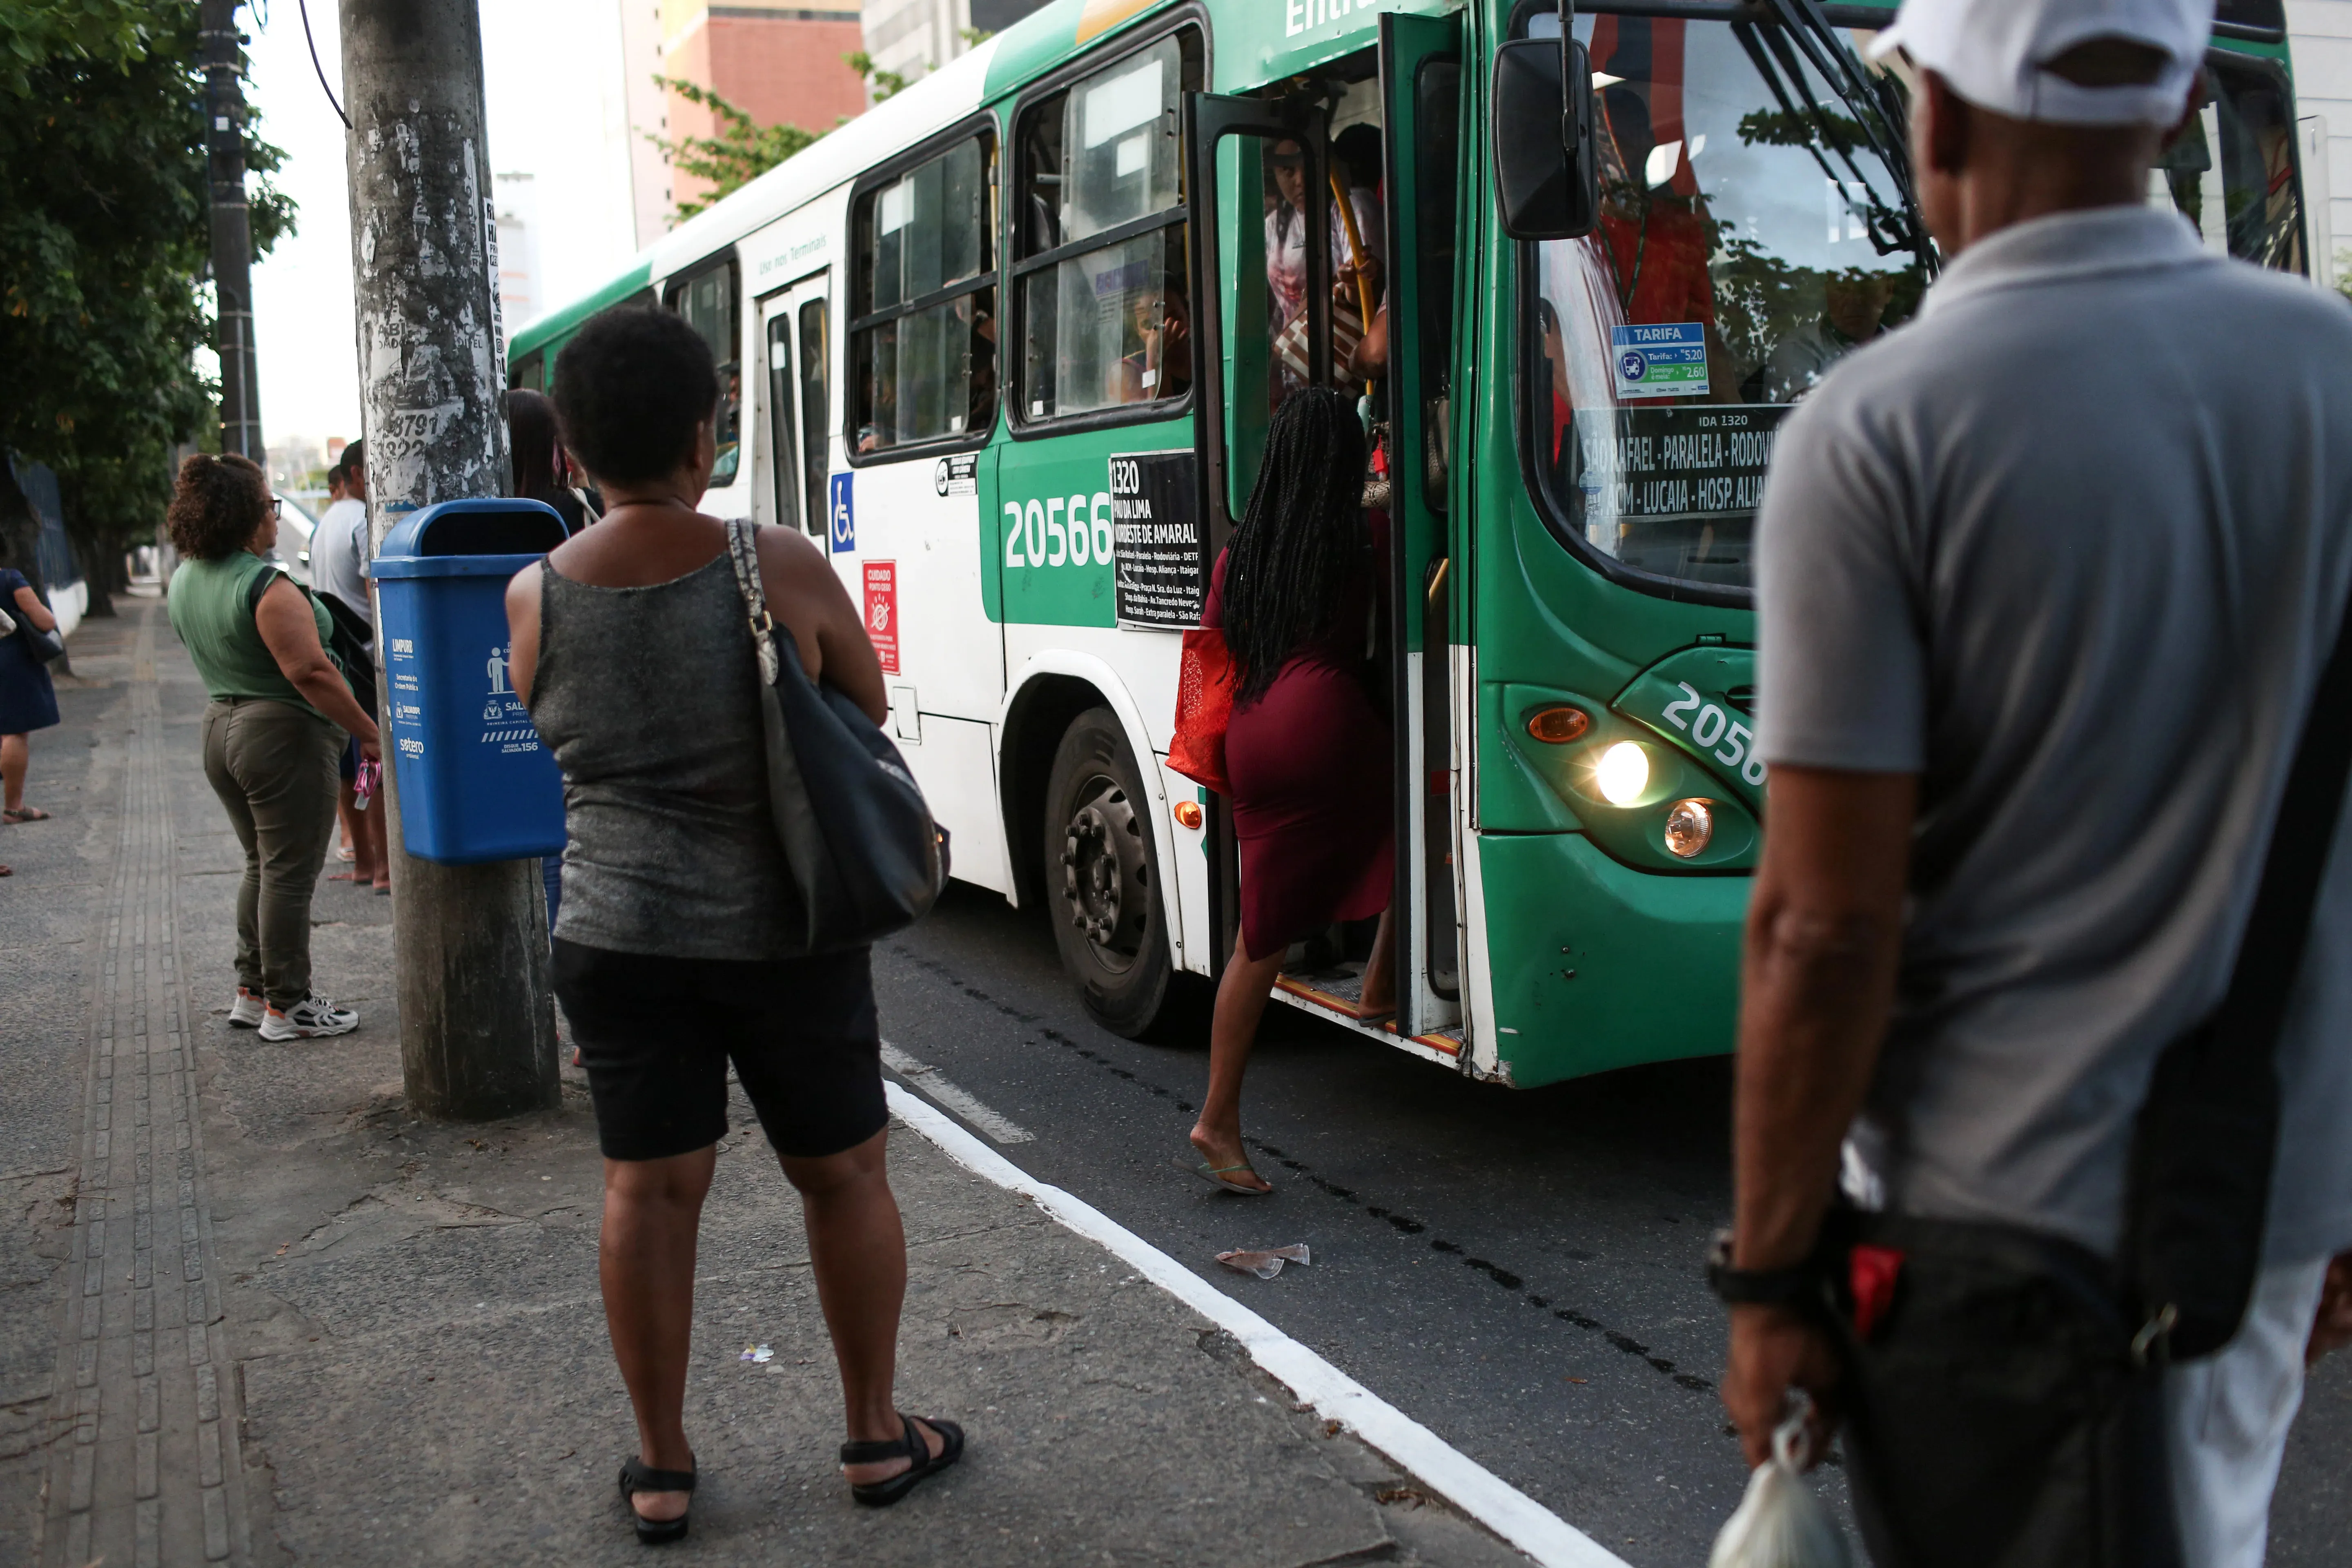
(251, 1310)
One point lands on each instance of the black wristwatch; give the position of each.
(1799, 1285)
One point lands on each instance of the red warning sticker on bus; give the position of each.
(882, 612)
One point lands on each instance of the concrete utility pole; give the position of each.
(240, 405)
(476, 1020)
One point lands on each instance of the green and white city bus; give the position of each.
(1008, 344)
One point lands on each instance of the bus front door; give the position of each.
(1421, 77)
(1246, 157)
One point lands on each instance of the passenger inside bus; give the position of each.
(1854, 307)
(1287, 272)
(979, 409)
(1159, 320)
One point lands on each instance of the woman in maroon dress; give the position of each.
(1308, 749)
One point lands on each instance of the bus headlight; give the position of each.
(1623, 773)
(1689, 826)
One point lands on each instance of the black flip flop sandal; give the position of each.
(910, 1446)
(636, 1477)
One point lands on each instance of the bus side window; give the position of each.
(1106, 325)
(922, 329)
(530, 372)
(816, 412)
(707, 298)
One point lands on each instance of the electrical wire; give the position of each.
(304, 6)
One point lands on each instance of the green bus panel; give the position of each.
(1032, 570)
(556, 328)
(1257, 42)
(1595, 965)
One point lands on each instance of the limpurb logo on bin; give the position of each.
(1667, 361)
(506, 722)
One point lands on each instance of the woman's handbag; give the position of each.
(1204, 707)
(45, 644)
(1290, 344)
(865, 854)
(348, 637)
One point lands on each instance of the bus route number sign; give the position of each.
(1157, 545)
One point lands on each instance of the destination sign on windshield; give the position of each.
(1644, 464)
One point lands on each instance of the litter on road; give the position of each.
(1265, 1264)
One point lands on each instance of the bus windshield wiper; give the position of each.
(1821, 133)
(1805, 27)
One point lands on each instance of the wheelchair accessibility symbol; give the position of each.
(844, 518)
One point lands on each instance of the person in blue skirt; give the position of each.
(27, 700)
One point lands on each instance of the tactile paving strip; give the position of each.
(142, 1451)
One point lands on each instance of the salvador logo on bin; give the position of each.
(476, 784)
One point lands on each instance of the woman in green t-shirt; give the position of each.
(259, 641)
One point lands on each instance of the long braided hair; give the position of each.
(1301, 539)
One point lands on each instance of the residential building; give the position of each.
(911, 38)
(783, 62)
(517, 212)
(2319, 39)
(648, 108)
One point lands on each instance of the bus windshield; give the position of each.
(1751, 233)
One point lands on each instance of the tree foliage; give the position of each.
(739, 152)
(104, 253)
(879, 84)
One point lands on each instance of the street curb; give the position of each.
(1477, 1491)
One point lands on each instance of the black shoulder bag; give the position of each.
(866, 856)
(2003, 1388)
(348, 637)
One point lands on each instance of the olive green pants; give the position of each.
(273, 766)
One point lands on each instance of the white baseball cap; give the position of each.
(1992, 52)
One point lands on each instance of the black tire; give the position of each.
(1102, 877)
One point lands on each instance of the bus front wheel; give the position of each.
(1102, 882)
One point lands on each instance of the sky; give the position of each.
(552, 76)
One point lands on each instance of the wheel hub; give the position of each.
(1104, 878)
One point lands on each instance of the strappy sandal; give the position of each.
(910, 1446)
(636, 1477)
(23, 814)
(1215, 1176)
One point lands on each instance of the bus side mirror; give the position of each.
(1545, 170)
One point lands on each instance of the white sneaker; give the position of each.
(247, 1010)
(312, 1016)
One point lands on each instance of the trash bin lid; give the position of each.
(496, 536)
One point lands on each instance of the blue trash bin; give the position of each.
(474, 783)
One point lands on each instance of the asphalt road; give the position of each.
(1517, 1269)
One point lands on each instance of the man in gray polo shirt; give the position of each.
(2046, 579)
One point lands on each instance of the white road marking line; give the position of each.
(1002, 1128)
(1477, 1491)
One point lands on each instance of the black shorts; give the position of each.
(347, 766)
(656, 1034)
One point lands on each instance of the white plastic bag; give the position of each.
(1780, 1524)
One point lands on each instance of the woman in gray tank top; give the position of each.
(633, 648)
